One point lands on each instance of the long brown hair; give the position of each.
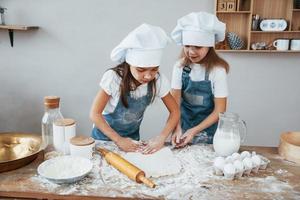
(211, 60)
(128, 82)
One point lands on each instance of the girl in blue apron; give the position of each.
(199, 81)
(127, 89)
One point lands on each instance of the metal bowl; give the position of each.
(18, 149)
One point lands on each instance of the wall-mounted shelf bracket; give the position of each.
(12, 28)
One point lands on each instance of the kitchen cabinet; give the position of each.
(241, 22)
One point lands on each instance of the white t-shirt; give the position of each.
(217, 76)
(111, 81)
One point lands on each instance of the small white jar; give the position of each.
(82, 146)
(63, 131)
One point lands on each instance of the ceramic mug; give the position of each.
(295, 44)
(281, 44)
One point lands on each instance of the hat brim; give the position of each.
(198, 38)
(144, 57)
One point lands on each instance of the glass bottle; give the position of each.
(2, 11)
(52, 113)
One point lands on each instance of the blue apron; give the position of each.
(197, 102)
(126, 121)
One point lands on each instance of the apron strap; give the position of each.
(187, 69)
(206, 74)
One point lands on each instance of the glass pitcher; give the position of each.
(230, 133)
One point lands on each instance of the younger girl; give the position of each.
(199, 81)
(127, 89)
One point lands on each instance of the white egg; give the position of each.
(256, 160)
(264, 162)
(247, 163)
(219, 163)
(245, 154)
(229, 169)
(229, 159)
(235, 156)
(238, 165)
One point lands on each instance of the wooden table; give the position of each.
(19, 184)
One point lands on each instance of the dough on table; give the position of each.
(160, 163)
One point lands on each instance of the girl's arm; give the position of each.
(158, 142)
(173, 118)
(220, 106)
(97, 118)
(176, 93)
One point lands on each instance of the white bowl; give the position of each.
(65, 169)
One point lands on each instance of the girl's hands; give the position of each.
(127, 144)
(153, 145)
(176, 137)
(186, 138)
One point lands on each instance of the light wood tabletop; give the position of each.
(279, 181)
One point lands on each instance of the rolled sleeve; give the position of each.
(176, 82)
(110, 82)
(163, 86)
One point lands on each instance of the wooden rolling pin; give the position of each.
(125, 167)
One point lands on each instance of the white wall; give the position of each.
(69, 53)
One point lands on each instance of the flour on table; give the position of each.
(160, 163)
(196, 180)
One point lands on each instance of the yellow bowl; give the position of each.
(289, 146)
(18, 149)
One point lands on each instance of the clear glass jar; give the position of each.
(52, 113)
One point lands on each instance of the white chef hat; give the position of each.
(199, 29)
(142, 47)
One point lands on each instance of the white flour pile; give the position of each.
(195, 180)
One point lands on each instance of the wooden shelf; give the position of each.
(18, 27)
(275, 32)
(255, 51)
(12, 28)
(232, 50)
(235, 12)
(239, 21)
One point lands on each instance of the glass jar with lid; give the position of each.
(52, 114)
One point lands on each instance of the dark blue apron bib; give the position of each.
(126, 121)
(197, 102)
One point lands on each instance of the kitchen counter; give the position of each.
(195, 181)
